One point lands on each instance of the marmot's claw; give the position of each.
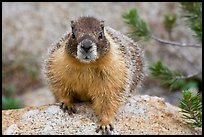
(69, 109)
(105, 129)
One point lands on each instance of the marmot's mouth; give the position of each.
(88, 56)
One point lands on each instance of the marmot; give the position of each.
(94, 63)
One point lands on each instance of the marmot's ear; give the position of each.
(102, 24)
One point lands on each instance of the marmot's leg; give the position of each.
(105, 108)
(67, 107)
(66, 103)
(105, 129)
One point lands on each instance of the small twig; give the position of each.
(188, 76)
(189, 15)
(175, 43)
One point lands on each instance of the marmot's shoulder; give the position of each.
(133, 54)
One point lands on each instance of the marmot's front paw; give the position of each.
(105, 129)
(69, 108)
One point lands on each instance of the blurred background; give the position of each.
(28, 29)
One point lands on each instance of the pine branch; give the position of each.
(140, 30)
(172, 78)
(169, 23)
(175, 43)
(191, 108)
(167, 76)
(188, 76)
(193, 13)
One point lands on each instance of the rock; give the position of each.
(141, 115)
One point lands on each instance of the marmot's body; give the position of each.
(94, 63)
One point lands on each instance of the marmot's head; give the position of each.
(87, 42)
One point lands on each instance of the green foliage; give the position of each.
(167, 76)
(170, 78)
(8, 100)
(191, 106)
(139, 28)
(9, 89)
(193, 13)
(10, 103)
(169, 22)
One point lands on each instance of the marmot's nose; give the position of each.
(86, 45)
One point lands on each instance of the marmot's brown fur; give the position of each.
(94, 63)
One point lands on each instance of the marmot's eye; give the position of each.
(100, 35)
(73, 36)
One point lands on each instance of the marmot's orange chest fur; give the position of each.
(94, 63)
